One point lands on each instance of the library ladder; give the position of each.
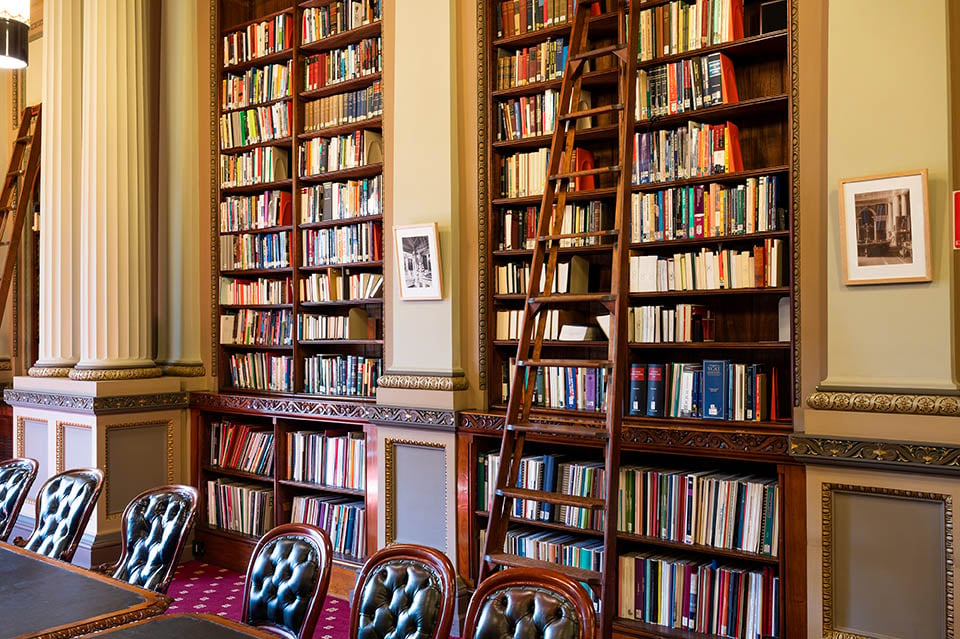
(562, 174)
(17, 193)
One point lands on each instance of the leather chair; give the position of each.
(404, 591)
(154, 529)
(16, 477)
(64, 506)
(524, 603)
(287, 580)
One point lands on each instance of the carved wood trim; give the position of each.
(900, 403)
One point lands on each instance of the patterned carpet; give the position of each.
(202, 588)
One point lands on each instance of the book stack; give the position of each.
(341, 200)
(253, 212)
(343, 519)
(261, 372)
(260, 291)
(245, 447)
(256, 85)
(342, 375)
(258, 40)
(759, 267)
(255, 251)
(339, 65)
(322, 22)
(347, 244)
(239, 507)
(694, 150)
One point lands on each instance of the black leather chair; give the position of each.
(287, 580)
(404, 591)
(524, 603)
(16, 477)
(154, 529)
(64, 506)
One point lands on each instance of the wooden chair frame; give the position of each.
(22, 497)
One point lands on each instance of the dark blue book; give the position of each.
(571, 379)
(655, 389)
(715, 388)
(549, 484)
(750, 399)
(590, 388)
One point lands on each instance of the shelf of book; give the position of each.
(344, 37)
(374, 123)
(343, 86)
(367, 170)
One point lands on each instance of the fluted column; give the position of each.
(178, 332)
(60, 148)
(115, 296)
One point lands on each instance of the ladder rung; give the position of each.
(16, 173)
(599, 53)
(550, 497)
(567, 236)
(575, 174)
(515, 561)
(587, 113)
(565, 363)
(569, 430)
(24, 138)
(571, 298)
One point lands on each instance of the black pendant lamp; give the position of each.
(14, 29)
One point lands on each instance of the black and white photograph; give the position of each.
(418, 259)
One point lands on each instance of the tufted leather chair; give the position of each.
(64, 506)
(287, 579)
(16, 477)
(403, 592)
(154, 529)
(526, 603)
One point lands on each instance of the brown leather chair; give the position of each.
(64, 506)
(16, 477)
(287, 580)
(404, 591)
(154, 528)
(532, 604)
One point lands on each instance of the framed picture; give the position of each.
(885, 228)
(418, 261)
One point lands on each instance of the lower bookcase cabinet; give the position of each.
(710, 524)
(257, 467)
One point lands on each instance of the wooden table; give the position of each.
(186, 625)
(41, 597)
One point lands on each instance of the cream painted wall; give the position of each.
(888, 110)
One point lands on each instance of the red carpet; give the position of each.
(202, 588)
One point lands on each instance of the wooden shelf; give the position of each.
(552, 525)
(341, 342)
(741, 555)
(572, 196)
(258, 347)
(769, 290)
(279, 142)
(255, 307)
(563, 250)
(753, 346)
(342, 222)
(281, 56)
(340, 129)
(367, 170)
(604, 23)
(322, 488)
(336, 40)
(593, 134)
(239, 474)
(341, 87)
(226, 110)
(378, 301)
(721, 178)
(324, 267)
(776, 104)
(512, 343)
(276, 185)
(256, 272)
(234, 28)
(515, 561)
(670, 245)
(269, 229)
(592, 79)
(767, 45)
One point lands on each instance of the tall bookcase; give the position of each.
(300, 259)
(711, 283)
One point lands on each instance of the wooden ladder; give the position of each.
(18, 187)
(561, 176)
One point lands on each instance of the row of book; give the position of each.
(759, 267)
(256, 85)
(257, 166)
(342, 375)
(515, 17)
(549, 473)
(519, 227)
(251, 327)
(239, 507)
(344, 108)
(707, 508)
(708, 598)
(686, 85)
(341, 200)
(572, 276)
(349, 244)
(258, 40)
(684, 25)
(255, 251)
(660, 324)
(327, 459)
(536, 63)
(334, 286)
(356, 324)
(711, 389)
(339, 65)
(261, 372)
(259, 291)
(245, 447)
(320, 155)
(572, 387)
(255, 125)
(322, 22)
(342, 518)
(527, 116)
(708, 210)
(693, 150)
(252, 212)
(555, 547)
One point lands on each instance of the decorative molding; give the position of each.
(106, 456)
(153, 605)
(403, 416)
(113, 374)
(826, 500)
(49, 371)
(906, 455)
(389, 479)
(214, 110)
(60, 428)
(20, 434)
(483, 292)
(95, 405)
(795, 191)
(904, 404)
(184, 370)
(423, 382)
(6, 364)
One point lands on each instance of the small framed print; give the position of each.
(885, 228)
(418, 261)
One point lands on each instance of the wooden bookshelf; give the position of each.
(761, 65)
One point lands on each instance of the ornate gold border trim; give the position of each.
(60, 428)
(214, 187)
(106, 456)
(482, 175)
(904, 404)
(19, 434)
(49, 371)
(184, 370)
(908, 455)
(423, 382)
(827, 491)
(795, 191)
(95, 405)
(389, 478)
(111, 374)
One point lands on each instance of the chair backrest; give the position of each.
(404, 591)
(287, 580)
(16, 477)
(154, 529)
(534, 604)
(64, 506)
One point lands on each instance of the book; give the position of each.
(655, 390)
(578, 333)
(715, 388)
(638, 389)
